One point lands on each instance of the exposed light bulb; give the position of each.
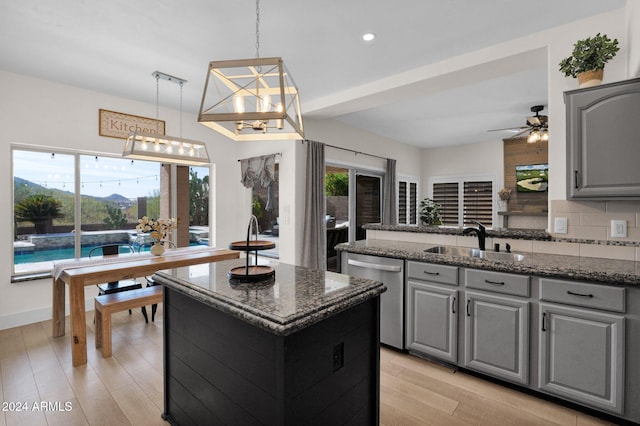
(238, 104)
(265, 103)
(279, 122)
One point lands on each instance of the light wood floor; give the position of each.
(127, 388)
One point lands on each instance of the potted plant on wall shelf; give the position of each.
(505, 195)
(588, 59)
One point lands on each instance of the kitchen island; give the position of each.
(299, 348)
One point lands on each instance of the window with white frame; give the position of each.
(462, 199)
(407, 201)
(67, 203)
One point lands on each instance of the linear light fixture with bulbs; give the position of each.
(167, 149)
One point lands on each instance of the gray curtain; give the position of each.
(314, 240)
(258, 170)
(389, 214)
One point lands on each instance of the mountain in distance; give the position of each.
(113, 198)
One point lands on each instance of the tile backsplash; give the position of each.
(591, 220)
(589, 230)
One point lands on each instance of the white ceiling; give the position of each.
(114, 46)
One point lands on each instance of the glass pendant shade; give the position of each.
(168, 149)
(544, 135)
(251, 99)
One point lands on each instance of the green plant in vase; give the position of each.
(430, 212)
(588, 59)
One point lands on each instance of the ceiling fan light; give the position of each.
(534, 137)
(544, 137)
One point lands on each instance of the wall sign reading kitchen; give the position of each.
(119, 125)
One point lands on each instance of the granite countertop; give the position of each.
(295, 298)
(529, 234)
(606, 271)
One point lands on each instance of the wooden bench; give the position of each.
(108, 304)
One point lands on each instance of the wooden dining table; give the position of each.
(79, 273)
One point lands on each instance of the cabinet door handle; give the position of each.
(468, 303)
(544, 317)
(575, 173)
(453, 306)
(431, 273)
(494, 282)
(579, 294)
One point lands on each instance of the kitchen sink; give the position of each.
(474, 252)
(455, 251)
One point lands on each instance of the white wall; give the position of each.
(39, 112)
(633, 37)
(559, 44)
(289, 192)
(463, 160)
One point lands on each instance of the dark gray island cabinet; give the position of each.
(302, 348)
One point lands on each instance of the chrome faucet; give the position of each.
(480, 231)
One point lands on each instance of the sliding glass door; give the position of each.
(353, 199)
(368, 202)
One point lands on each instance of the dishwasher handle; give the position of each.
(376, 266)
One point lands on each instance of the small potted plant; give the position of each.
(430, 212)
(505, 195)
(588, 59)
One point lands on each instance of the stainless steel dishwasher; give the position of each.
(391, 273)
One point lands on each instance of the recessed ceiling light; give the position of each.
(368, 36)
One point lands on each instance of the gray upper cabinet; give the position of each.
(603, 141)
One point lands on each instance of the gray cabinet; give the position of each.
(497, 336)
(431, 315)
(580, 356)
(432, 320)
(582, 349)
(603, 141)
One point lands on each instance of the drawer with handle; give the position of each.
(583, 294)
(442, 274)
(499, 282)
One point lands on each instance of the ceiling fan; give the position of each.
(537, 126)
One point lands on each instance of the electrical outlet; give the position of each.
(560, 225)
(619, 228)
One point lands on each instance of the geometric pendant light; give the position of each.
(167, 149)
(252, 99)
